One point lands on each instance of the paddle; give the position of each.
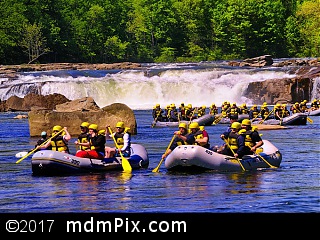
(226, 141)
(155, 120)
(265, 160)
(32, 151)
(309, 119)
(157, 168)
(266, 117)
(124, 162)
(219, 118)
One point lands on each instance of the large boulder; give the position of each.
(71, 117)
(287, 90)
(35, 101)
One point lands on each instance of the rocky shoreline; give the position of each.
(11, 71)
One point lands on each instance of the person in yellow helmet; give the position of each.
(94, 145)
(178, 140)
(60, 140)
(157, 113)
(295, 108)
(231, 139)
(173, 114)
(197, 136)
(278, 111)
(83, 136)
(123, 139)
(252, 138)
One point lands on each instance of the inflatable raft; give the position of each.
(294, 119)
(205, 120)
(188, 158)
(47, 162)
(314, 112)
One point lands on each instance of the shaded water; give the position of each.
(292, 188)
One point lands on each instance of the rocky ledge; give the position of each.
(11, 71)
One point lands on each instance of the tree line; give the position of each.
(107, 31)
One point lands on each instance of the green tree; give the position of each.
(12, 19)
(309, 24)
(34, 42)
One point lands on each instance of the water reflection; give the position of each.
(244, 182)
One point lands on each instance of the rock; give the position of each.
(44, 120)
(287, 90)
(35, 101)
(85, 104)
(11, 71)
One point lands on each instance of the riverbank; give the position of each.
(10, 71)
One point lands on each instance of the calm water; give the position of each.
(292, 188)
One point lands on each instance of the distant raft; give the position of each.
(205, 120)
(48, 163)
(294, 119)
(314, 112)
(190, 158)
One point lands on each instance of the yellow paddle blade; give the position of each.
(309, 120)
(162, 159)
(125, 164)
(156, 169)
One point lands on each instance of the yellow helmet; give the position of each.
(120, 125)
(236, 125)
(102, 132)
(278, 105)
(93, 126)
(194, 125)
(57, 128)
(242, 131)
(204, 106)
(85, 124)
(246, 122)
(183, 125)
(254, 128)
(157, 105)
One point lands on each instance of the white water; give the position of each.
(142, 89)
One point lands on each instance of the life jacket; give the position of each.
(199, 135)
(213, 110)
(120, 141)
(248, 140)
(58, 144)
(183, 112)
(201, 112)
(255, 113)
(244, 110)
(83, 138)
(232, 141)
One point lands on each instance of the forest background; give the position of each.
(108, 31)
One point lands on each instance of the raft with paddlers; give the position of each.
(314, 112)
(47, 162)
(294, 119)
(191, 158)
(205, 120)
